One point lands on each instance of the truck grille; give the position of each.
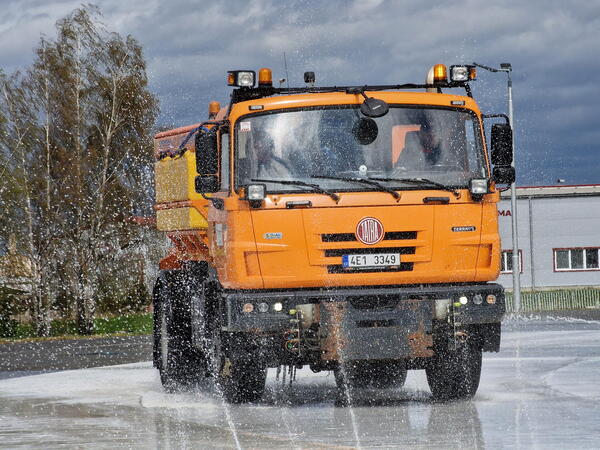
(350, 237)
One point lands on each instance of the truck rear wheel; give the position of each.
(374, 374)
(180, 364)
(455, 374)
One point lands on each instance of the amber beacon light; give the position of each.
(213, 109)
(440, 73)
(265, 77)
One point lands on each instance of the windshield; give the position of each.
(334, 146)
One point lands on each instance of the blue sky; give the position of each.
(553, 46)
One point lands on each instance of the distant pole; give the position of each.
(505, 67)
(516, 268)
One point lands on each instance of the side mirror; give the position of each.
(207, 152)
(207, 184)
(504, 174)
(502, 138)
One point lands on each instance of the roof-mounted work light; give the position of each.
(309, 77)
(241, 78)
(463, 73)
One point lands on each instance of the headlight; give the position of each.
(278, 306)
(256, 192)
(263, 307)
(478, 299)
(479, 186)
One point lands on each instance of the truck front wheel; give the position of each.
(238, 379)
(454, 374)
(242, 382)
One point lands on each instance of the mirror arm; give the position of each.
(218, 203)
(491, 116)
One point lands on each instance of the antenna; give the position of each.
(286, 71)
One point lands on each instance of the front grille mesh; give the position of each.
(350, 237)
(369, 251)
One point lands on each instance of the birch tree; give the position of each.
(76, 140)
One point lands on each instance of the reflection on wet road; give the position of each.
(539, 391)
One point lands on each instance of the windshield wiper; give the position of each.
(369, 182)
(315, 187)
(421, 181)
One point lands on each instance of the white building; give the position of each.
(558, 234)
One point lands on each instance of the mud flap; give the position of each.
(353, 333)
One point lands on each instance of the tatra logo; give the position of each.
(276, 235)
(369, 231)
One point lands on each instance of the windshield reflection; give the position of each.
(443, 145)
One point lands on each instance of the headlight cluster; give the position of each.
(477, 299)
(262, 307)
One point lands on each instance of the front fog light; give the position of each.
(278, 306)
(479, 186)
(263, 307)
(478, 299)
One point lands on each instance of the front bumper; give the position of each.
(392, 304)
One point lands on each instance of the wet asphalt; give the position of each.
(539, 391)
(35, 357)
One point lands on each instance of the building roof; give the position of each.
(582, 190)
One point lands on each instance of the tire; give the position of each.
(242, 383)
(237, 380)
(454, 375)
(180, 364)
(373, 374)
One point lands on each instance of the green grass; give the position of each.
(128, 324)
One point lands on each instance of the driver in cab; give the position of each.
(267, 164)
(422, 149)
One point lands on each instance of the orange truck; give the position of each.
(344, 228)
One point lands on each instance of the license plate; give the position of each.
(373, 260)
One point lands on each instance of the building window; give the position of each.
(506, 263)
(576, 259)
